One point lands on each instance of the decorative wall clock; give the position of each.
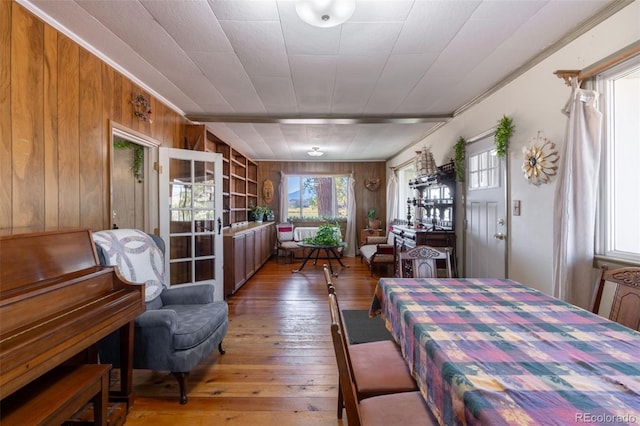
(540, 158)
(372, 184)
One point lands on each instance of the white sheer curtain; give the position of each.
(350, 238)
(392, 199)
(575, 199)
(284, 202)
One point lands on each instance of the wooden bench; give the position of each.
(57, 395)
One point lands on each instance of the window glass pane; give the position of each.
(473, 163)
(626, 152)
(473, 180)
(317, 196)
(619, 230)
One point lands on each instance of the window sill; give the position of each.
(613, 262)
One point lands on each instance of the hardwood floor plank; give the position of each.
(279, 367)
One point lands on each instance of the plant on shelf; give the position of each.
(502, 135)
(260, 211)
(328, 235)
(374, 222)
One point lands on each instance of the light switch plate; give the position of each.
(516, 207)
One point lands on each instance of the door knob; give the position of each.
(499, 236)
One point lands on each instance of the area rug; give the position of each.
(362, 329)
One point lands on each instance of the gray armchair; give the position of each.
(181, 327)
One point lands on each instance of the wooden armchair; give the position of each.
(377, 251)
(625, 308)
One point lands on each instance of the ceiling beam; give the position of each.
(320, 119)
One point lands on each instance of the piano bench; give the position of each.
(57, 395)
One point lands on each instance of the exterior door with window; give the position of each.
(191, 217)
(485, 212)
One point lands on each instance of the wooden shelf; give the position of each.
(239, 173)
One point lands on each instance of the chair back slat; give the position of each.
(625, 306)
(422, 261)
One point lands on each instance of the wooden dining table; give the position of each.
(496, 352)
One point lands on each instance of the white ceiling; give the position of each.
(245, 66)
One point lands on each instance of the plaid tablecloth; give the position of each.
(494, 352)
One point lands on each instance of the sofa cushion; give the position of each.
(195, 323)
(368, 251)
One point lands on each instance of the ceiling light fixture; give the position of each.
(325, 13)
(315, 152)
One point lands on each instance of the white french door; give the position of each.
(485, 211)
(190, 189)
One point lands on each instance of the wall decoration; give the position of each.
(372, 184)
(540, 158)
(267, 191)
(503, 133)
(138, 156)
(141, 107)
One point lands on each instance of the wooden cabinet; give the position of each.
(246, 249)
(433, 221)
(434, 199)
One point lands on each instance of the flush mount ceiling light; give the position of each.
(325, 13)
(315, 152)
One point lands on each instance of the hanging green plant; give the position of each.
(138, 156)
(459, 151)
(502, 135)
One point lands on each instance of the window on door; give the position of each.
(619, 204)
(483, 170)
(317, 196)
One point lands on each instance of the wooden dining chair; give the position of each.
(378, 367)
(625, 307)
(327, 279)
(421, 262)
(404, 408)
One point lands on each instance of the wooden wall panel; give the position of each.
(27, 120)
(56, 102)
(5, 115)
(68, 133)
(365, 199)
(92, 137)
(50, 119)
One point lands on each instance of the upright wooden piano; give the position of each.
(56, 303)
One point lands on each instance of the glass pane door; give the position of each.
(191, 215)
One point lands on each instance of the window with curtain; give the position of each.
(317, 196)
(619, 203)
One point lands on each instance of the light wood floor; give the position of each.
(279, 367)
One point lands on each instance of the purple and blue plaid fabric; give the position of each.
(495, 352)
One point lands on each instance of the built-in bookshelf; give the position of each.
(239, 173)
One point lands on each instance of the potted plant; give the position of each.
(260, 211)
(374, 222)
(328, 235)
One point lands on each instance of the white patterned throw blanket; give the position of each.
(137, 257)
